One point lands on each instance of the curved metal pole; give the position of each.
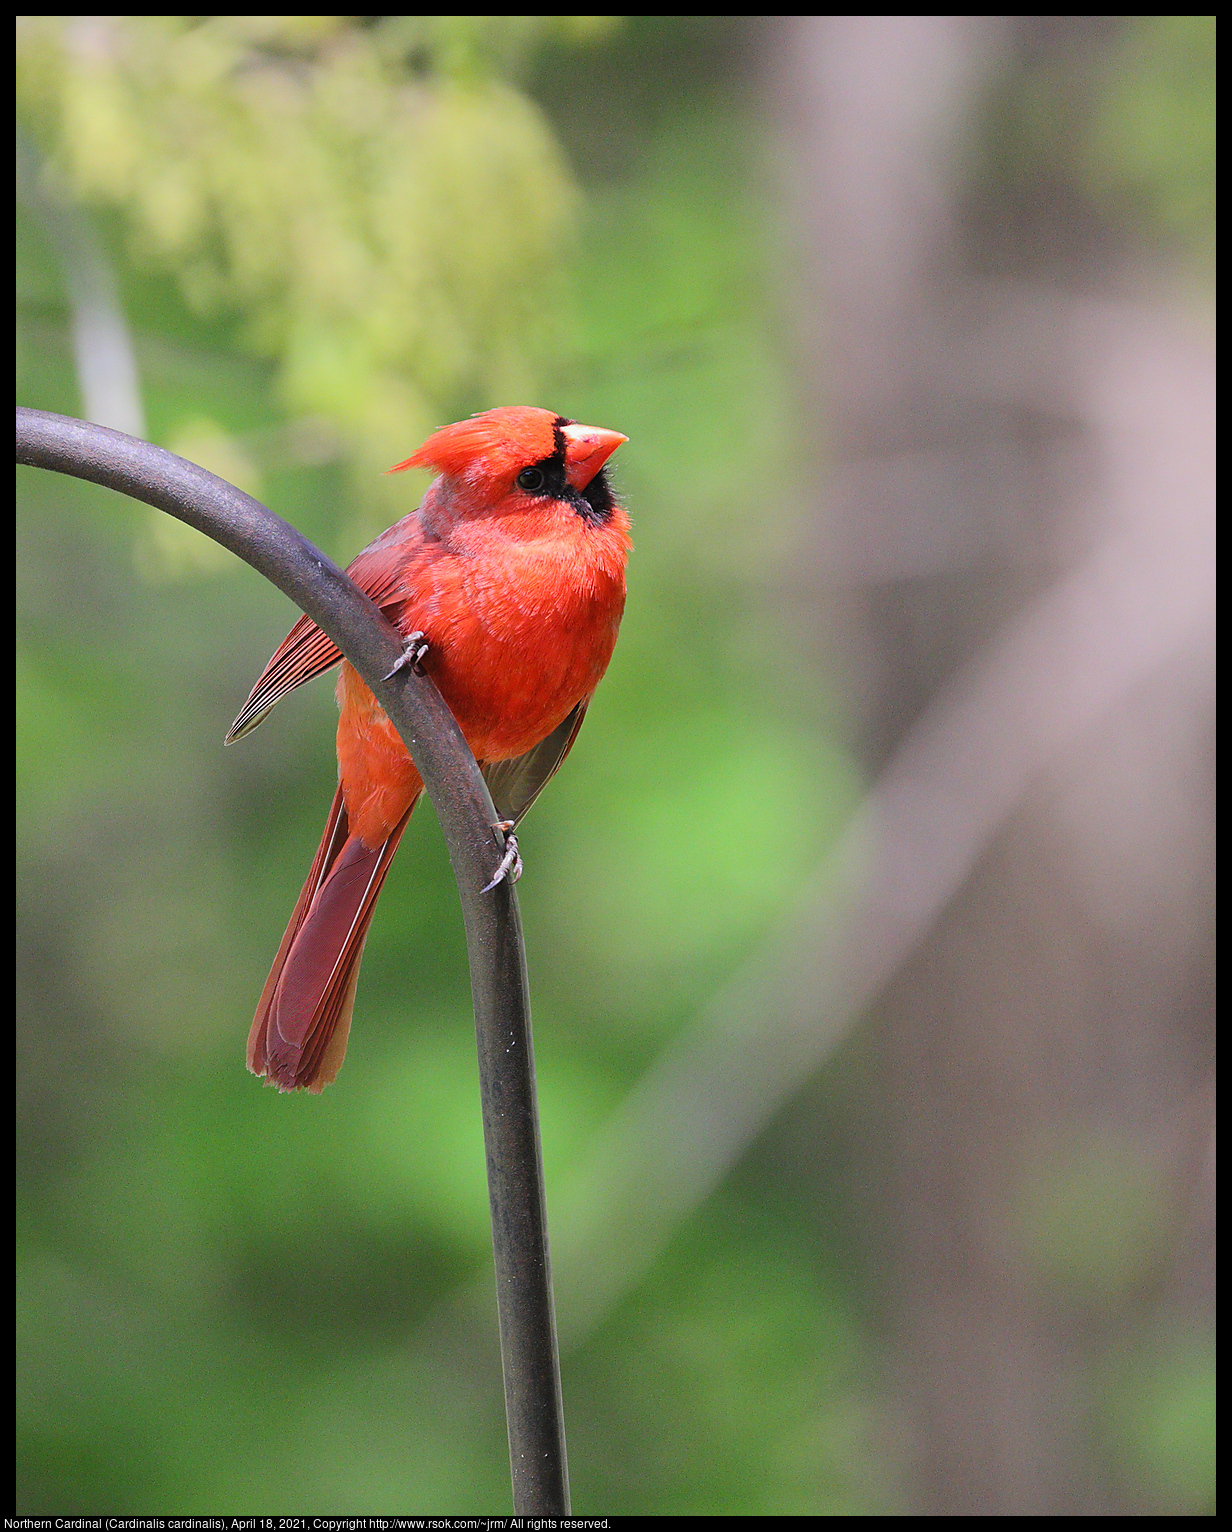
(493, 926)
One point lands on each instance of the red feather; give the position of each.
(513, 567)
(299, 1034)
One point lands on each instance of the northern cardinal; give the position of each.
(512, 571)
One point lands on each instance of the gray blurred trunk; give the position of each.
(1038, 1111)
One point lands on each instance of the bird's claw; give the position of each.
(414, 649)
(511, 863)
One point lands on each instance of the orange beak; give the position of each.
(587, 448)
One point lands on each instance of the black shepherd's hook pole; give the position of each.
(493, 927)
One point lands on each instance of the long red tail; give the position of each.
(299, 1034)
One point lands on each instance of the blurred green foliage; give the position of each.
(1113, 116)
(1158, 1412)
(1152, 144)
(387, 213)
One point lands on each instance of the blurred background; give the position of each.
(870, 924)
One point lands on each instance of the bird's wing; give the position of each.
(380, 572)
(515, 784)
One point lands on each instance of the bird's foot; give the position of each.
(511, 863)
(414, 649)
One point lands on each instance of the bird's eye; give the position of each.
(531, 479)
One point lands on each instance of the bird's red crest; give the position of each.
(494, 443)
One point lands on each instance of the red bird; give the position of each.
(512, 571)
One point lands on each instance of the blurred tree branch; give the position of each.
(102, 343)
(1032, 1121)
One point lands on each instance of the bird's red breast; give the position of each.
(513, 567)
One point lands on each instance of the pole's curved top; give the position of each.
(493, 928)
(317, 586)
